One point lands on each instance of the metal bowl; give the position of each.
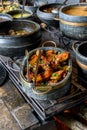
(46, 92)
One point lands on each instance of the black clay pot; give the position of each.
(16, 45)
(81, 59)
(73, 26)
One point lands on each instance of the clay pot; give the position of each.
(15, 45)
(73, 26)
(47, 13)
(48, 17)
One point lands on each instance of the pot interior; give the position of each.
(83, 49)
(76, 10)
(49, 7)
(17, 14)
(18, 26)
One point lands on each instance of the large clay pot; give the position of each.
(73, 26)
(16, 45)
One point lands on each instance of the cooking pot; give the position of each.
(15, 45)
(80, 50)
(29, 6)
(74, 25)
(45, 13)
(8, 5)
(51, 92)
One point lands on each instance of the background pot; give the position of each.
(8, 5)
(29, 6)
(46, 92)
(81, 59)
(74, 27)
(48, 18)
(15, 46)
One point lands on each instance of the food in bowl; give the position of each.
(5, 2)
(12, 32)
(8, 6)
(50, 9)
(46, 73)
(52, 67)
(19, 15)
(18, 32)
(76, 11)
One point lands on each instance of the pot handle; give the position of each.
(49, 43)
(40, 90)
(75, 45)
